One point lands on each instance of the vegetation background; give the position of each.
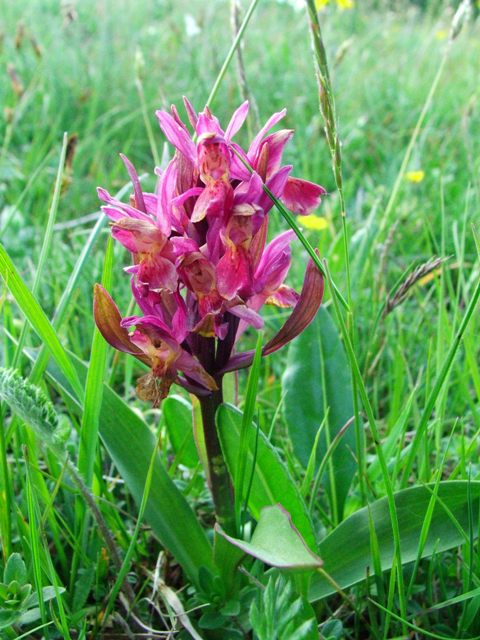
(98, 70)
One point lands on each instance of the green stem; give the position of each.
(231, 52)
(220, 482)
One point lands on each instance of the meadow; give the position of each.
(365, 428)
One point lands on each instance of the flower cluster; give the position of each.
(201, 266)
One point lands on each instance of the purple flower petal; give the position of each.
(302, 196)
(108, 320)
(137, 189)
(304, 312)
(237, 120)
(271, 122)
(191, 113)
(177, 135)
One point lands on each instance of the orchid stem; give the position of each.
(220, 482)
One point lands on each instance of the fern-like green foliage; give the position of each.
(278, 613)
(32, 406)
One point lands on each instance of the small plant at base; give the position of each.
(18, 605)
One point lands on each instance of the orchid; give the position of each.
(201, 266)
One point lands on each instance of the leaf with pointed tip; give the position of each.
(456, 511)
(277, 542)
(271, 483)
(317, 378)
(130, 444)
(178, 415)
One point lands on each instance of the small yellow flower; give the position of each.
(316, 223)
(429, 277)
(321, 4)
(441, 34)
(345, 4)
(415, 176)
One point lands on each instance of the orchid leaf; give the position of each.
(318, 387)
(456, 509)
(177, 414)
(271, 482)
(130, 444)
(277, 542)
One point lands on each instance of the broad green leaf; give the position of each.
(277, 542)
(130, 444)
(227, 558)
(318, 378)
(178, 415)
(271, 483)
(346, 551)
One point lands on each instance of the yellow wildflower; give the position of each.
(345, 4)
(415, 176)
(316, 223)
(441, 34)
(429, 277)
(321, 4)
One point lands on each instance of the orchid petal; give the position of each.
(302, 196)
(176, 135)
(137, 189)
(274, 264)
(271, 122)
(213, 201)
(192, 368)
(108, 321)
(271, 151)
(237, 120)
(247, 315)
(191, 113)
(249, 191)
(276, 184)
(233, 271)
(176, 117)
(116, 209)
(158, 273)
(304, 312)
(283, 297)
(138, 236)
(208, 124)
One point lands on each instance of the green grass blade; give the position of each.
(46, 244)
(38, 320)
(440, 381)
(94, 387)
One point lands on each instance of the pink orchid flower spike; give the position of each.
(201, 269)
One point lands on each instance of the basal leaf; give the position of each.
(346, 551)
(130, 444)
(178, 416)
(271, 482)
(318, 378)
(277, 542)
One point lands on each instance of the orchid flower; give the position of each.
(201, 268)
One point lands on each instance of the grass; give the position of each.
(97, 70)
